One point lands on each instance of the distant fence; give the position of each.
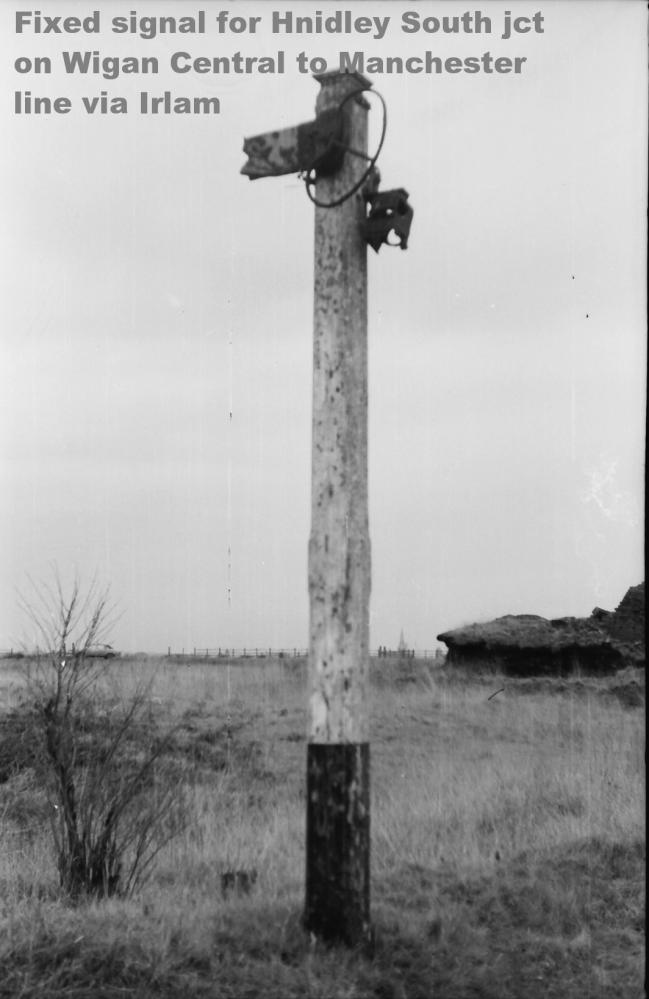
(267, 653)
(230, 653)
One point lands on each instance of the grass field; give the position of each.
(508, 845)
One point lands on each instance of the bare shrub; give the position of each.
(114, 799)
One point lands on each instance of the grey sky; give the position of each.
(149, 290)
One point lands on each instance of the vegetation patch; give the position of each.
(562, 925)
(507, 853)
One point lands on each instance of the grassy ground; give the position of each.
(508, 845)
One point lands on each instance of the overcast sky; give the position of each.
(149, 290)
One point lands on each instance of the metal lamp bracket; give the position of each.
(389, 212)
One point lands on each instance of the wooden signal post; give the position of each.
(338, 750)
(337, 907)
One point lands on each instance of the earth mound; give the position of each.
(526, 644)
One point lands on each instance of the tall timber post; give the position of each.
(338, 751)
(332, 151)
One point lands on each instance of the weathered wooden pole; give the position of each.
(337, 907)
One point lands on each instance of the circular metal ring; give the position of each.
(310, 181)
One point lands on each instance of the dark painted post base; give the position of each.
(338, 843)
